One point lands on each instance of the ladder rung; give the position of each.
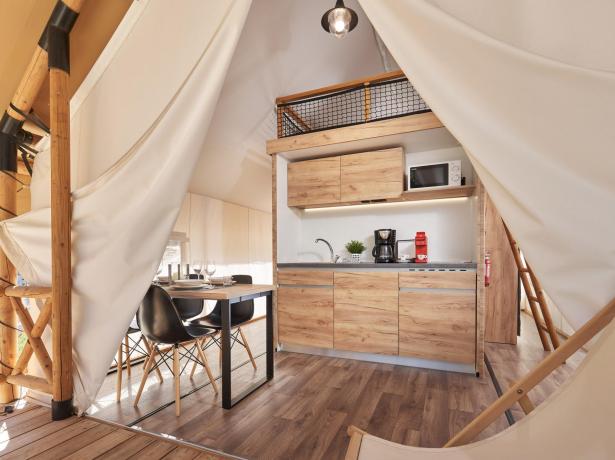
(524, 270)
(533, 299)
(31, 292)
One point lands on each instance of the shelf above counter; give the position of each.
(462, 191)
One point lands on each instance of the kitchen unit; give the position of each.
(416, 314)
(421, 316)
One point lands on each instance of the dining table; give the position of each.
(228, 296)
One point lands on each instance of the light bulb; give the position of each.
(339, 22)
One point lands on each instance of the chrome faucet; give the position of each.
(334, 258)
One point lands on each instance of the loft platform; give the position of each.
(377, 106)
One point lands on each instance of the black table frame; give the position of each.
(227, 400)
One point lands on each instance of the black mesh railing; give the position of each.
(353, 106)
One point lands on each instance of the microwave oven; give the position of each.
(442, 174)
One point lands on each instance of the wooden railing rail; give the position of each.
(358, 83)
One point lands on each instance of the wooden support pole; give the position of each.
(8, 336)
(519, 390)
(61, 209)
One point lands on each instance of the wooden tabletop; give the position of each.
(219, 293)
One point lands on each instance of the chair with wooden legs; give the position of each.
(577, 422)
(241, 313)
(129, 347)
(171, 340)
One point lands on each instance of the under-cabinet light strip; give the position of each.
(396, 204)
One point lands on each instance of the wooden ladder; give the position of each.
(535, 296)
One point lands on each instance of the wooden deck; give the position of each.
(29, 433)
(305, 410)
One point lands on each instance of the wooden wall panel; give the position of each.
(438, 325)
(501, 294)
(366, 312)
(305, 316)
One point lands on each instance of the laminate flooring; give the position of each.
(304, 412)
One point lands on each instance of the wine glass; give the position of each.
(197, 266)
(210, 268)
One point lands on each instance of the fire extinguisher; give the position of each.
(487, 269)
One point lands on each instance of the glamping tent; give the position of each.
(529, 101)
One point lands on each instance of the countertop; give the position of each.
(428, 266)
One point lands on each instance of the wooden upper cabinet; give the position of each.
(314, 182)
(372, 175)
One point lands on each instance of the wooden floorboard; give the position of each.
(30, 433)
(303, 413)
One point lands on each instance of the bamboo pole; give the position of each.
(61, 209)
(519, 390)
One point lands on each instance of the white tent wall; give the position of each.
(123, 218)
(282, 50)
(537, 125)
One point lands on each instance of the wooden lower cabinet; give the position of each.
(366, 312)
(438, 325)
(305, 316)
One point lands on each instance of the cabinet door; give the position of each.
(305, 316)
(372, 175)
(438, 325)
(366, 312)
(314, 182)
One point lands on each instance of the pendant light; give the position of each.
(339, 20)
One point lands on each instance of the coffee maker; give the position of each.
(384, 250)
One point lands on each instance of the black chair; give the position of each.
(161, 324)
(189, 308)
(241, 313)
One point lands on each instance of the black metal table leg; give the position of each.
(269, 327)
(227, 399)
(226, 354)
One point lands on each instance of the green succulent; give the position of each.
(355, 247)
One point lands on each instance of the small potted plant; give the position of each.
(355, 248)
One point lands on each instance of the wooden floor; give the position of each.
(29, 433)
(305, 411)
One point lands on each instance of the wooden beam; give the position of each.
(35, 342)
(405, 124)
(30, 292)
(61, 211)
(30, 381)
(520, 389)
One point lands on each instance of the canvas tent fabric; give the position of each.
(123, 218)
(568, 425)
(535, 119)
(533, 105)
